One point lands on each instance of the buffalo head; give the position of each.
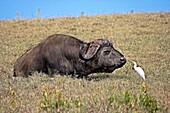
(104, 55)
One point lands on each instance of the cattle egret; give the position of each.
(141, 73)
(139, 70)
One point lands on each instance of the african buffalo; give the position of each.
(64, 54)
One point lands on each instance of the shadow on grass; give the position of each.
(105, 76)
(92, 77)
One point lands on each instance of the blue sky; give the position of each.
(59, 8)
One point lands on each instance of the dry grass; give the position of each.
(144, 38)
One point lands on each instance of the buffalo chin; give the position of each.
(108, 69)
(119, 65)
(111, 69)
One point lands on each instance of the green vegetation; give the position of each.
(144, 38)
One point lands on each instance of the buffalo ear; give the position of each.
(88, 50)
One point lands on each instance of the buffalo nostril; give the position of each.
(122, 59)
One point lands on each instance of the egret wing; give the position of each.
(140, 72)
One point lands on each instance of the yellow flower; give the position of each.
(45, 94)
(56, 90)
(144, 87)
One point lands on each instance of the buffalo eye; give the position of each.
(106, 52)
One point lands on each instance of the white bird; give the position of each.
(139, 70)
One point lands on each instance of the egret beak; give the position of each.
(133, 62)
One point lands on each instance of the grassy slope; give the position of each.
(144, 38)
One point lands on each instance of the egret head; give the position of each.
(134, 64)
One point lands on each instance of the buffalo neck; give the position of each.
(86, 67)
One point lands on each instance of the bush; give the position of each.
(52, 99)
(148, 102)
(135, 102)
